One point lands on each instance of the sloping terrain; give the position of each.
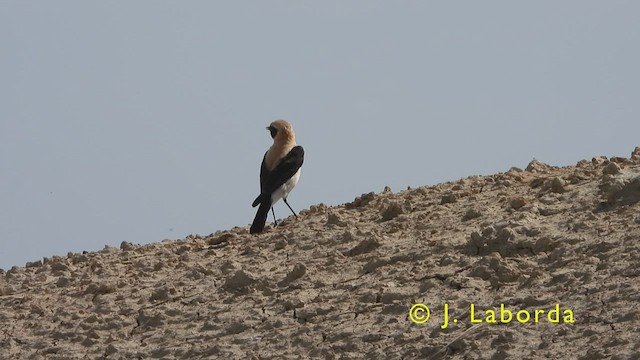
(338, 282)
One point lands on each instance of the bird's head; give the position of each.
(281, 130)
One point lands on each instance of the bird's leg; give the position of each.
(274, 217)
(285, 201)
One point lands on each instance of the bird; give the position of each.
(279, 173)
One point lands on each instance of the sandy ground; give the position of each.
(338, 282)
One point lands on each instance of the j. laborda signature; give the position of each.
(420, 313)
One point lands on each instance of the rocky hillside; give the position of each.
(338, 282)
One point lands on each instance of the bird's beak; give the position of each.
(268, 128)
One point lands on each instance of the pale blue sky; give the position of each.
(144, 120)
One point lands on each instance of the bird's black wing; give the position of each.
(263, 173)
(263, 180)
(286, 168)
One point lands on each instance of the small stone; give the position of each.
(34, 264)
(536, 166)
(280, 244)
(100, 289)
(13, 271)
(348, 236)
(88, 342)
(161, 294)
(394, 309)
(537, 182)
(229, 266)
(599, 160)
(210, 325)
(471, 213)
(517, 203)
(52, 350)
(611, 169)
(239, 282)
(305, 314)
(615, 189)
(236, 328)
(297, 272)
(373, 264)
(362, 200)
(631, 191)
(106, 250)
(126, 246)
(184, 249)
(292, 304)
(543, 244)
(58, 265)
(110, 350)
(391, 297)
(334, 219)
(222, 238)
(369, 338)
(392, 211)
(146, 319)
(63, 282)
(505, 234)
(78, 258)
(5, 290)
(557, 185)
(314, 209)
(457, 346)
(582, 163)
(448, 199)
(363, 247)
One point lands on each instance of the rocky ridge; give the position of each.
(338, 282)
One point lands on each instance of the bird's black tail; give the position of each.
(261, 217)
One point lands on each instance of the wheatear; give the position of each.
(279, 172)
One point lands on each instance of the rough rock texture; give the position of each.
(338, 282)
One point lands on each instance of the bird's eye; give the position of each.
(273, 131)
